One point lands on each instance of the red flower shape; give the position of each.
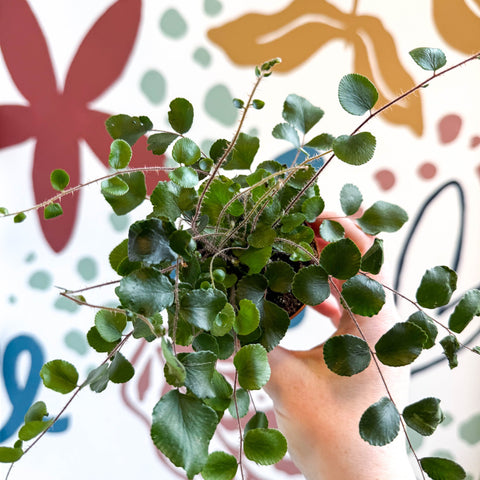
(59, 120)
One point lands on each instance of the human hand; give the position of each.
(319, 411)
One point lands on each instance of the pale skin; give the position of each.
(319, 411)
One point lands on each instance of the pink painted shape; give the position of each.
(385, 179)
(427, 170)
(449, 128)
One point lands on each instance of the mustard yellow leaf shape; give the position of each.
(376, 57)
(457, 24)
(294, 34)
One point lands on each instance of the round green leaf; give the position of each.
(264, 446)
(350, 199)
(59, 375)
(182, 427)
(201, 307)
(401, 345)
(280, 276)
(135, 196)
(372, 261)
(59, 179)
(184, 177)
(341, 259)
(110, 325)
(174, 370)
(442, 469)
(114, 187)
(466, 309)
(223, 322)
(429, 58)
(98, 379)
(382, 217)
(380, 423)
(312, 207)
(243, 154)
(247, 319)
(186, 151)
(98, 343)
(363, 295)
(36, 412)
(258, 420)
(181, 242)
(291, 221)
(255, 258)
(258, 104)
(310, 285)
(52, 210)
(436, 287)
(180, 115)
(346, 355)
(239, 408)
(220, 466)
(321, 143)
(331, 231)
(145, 291)
(19, 217)
(420, 319)
(285, 131)
(120, 370)
(252, 366)
(450, 347)
(424, 416)
(274, 325)
(10, 455)
(357, 94)
(149, 243)
(355, 149)
(262, 236)
(120, 154)
(300, 113)
(128, 128)
(32, 429)
(159, 142)
(199, 367)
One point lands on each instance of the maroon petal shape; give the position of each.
(104, 51)
(26, 52)
(53, 152)
(16, 125)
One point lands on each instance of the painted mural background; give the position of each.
(65, 66)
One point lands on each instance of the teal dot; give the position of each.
(119, 222)
(40, 280)
(253, 132)
(75, 340)
(31, 257)
(212, 7)
(206, 144)
(172, 24)
(218, 104)
(153, 86)
(442, 453)
(447, 420)
(469, 430)
(65, 305)
(202, 57)
(87, 268)
(12, 299)
(415, 439)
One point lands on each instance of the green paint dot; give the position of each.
(75, 340)
(119, 222)
(415, 439)
(87, 268)
(12, 299)
(172, 24)
(253, 132)
(447, 420)
(66, 305)
(443, 454)
(212, 7)
(470, 430)
(153, 86)
(40, 280)
(218, 104)
(32, 256)
(202, 57)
